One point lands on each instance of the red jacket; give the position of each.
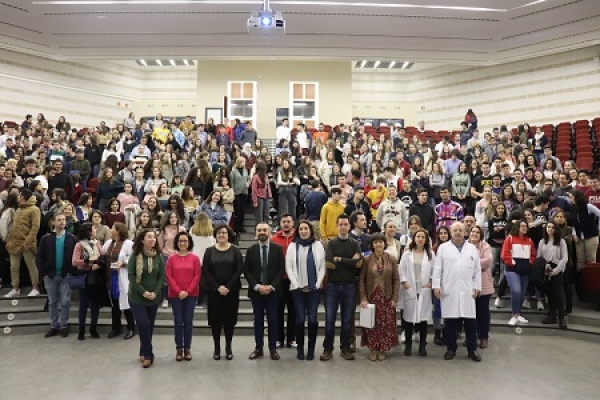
(517, 247)
(282, 240)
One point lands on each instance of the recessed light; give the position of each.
(392, 64)
(172, 62)
(186, 62)
(159, 62)
(362, 64)
(406, 64)
(377, 64)
(144, 63)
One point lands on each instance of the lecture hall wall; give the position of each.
(551, 89)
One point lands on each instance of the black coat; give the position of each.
(275, 268)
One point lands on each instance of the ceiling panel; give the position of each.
(427, 30)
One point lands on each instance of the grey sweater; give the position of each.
(558, 255)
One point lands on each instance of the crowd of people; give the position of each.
(148, 214)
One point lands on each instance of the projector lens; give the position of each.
(266, 21)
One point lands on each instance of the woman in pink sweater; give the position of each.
(170, 226)
(482, 302)
(183, 277)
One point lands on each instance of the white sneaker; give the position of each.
(540, 305)
(165, 304)
(416, 337)
(33, 293)
(513, 321)
(13, 293)
(402, 338)
(522, 320)
(498, 303)
(526, 304)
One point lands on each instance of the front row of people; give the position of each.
(134, 273)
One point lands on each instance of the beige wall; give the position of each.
(273, 78)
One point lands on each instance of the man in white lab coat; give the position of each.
(457, 282)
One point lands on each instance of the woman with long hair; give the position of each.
(128, 197)
(287, 183)
(202, 236)
(86, 257)
(380, 285)
(114, 213)
(108, 188)
(102, 231)
(240, 183)
(442, 236)
(585, 216)
(190, 202)
(482, 302)
(305, 268)
(144, 221)
(416, 268)
(71, 218)
(227, 195)
(213, 207)
(508, 197)
(518, 254)
(118, 249)
(175, 204)
(146, 275)
(222, 268)
(183, 271)
(153, 208)
(261, 193)
(566, 232)
(7, 215)
(553, 249)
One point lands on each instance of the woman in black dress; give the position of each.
(222, 268)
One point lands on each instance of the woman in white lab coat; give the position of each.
(416, 268)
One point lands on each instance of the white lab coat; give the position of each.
(416, 309)
(126, 252)
(457, 274)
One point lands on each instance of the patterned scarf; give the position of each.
(139, 263)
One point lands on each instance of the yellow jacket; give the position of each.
(328, 221)
(376, 197)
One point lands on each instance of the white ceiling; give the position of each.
(481, 32)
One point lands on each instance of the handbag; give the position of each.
(77, 281)
(98, 277)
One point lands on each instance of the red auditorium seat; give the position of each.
(591, 278)
(93, 186)
(10, 124)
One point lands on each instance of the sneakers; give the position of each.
(326, 356)
(13, 293)
(347, 354)
(33, 293)
(416, 337)
(513, 321)
(165, 304)
(540, 305)
(522, 320)
(498, 303)
(402, 338)
(526, 304)
(292, 345)
(199, 306)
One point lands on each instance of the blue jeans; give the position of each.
(261, 213)
(183, 316)
(59, 291)
(145, 316)
(270, 304)
(518, 284)
(341, 295)
(306, 303)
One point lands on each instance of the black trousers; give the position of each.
(286, 301)
(239, 210)
(451, 326)
(116, 317)
(554, 288)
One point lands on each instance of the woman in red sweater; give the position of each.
(518, 253)
(183, 277)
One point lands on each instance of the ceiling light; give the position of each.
(406, 64)
(159, 62)
(392, 64)
(362, 64)
(186, 62)
(377, 64)
(172, 62)
(144, 63)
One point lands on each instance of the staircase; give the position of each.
(26, 316)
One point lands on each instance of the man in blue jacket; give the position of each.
(53, 259)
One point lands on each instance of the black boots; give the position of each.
(423, 339)
(300, 341)
(408, 333)
(438, 338)
(312, 341)
(81, 335)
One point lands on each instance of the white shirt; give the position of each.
(302, 139)
(282, 133)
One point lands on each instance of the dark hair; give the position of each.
(517, 226)
(541, 200)
(437, 236)
(286, 215)
(122, 230)
(138, 244)
(310, 227)
(190, 240)
(12, 201)
(340, 217)
(111, 201)
(556, 237)
(85, 231)
(354, 217)
(99, 213)
(336, 190)
(230, 233)
(376, 237)
(427, 247)
(25, 193)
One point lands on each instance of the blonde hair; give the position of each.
(202, 226)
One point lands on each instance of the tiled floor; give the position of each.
(513, 367)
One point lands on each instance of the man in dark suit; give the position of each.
(263, 268)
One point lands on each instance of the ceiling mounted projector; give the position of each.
(266, 22)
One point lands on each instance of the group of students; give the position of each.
(158, 180)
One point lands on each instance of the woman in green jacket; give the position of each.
(146, 272)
